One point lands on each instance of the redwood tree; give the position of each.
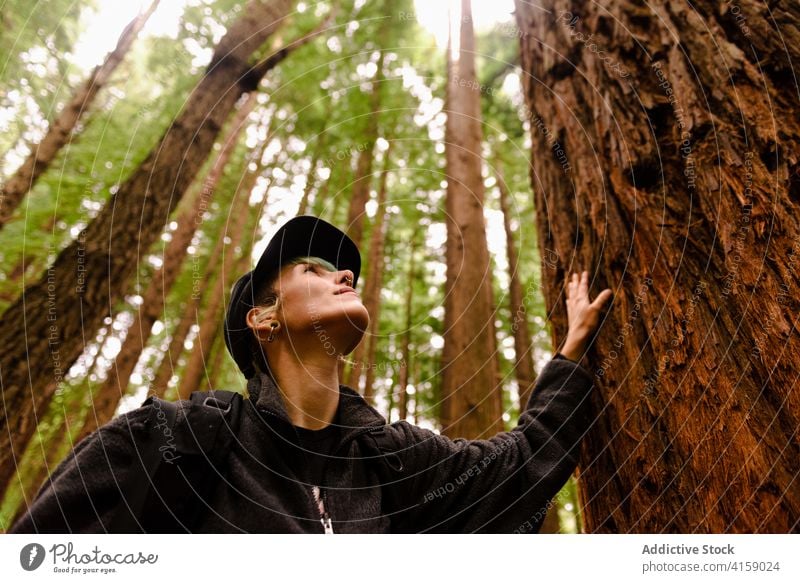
(90, 275)
(664, 142)
(470, 406)
(60, 130)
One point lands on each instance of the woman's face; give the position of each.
(319, 306)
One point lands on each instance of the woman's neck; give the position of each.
(309, 387)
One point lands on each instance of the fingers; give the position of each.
(600, 300)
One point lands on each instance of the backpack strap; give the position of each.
(186, 454)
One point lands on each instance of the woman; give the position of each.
(310, 455)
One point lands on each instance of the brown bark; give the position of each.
(523, 344)
(311, 176)
(60, 131)
(469, 371)
(166, 368)
(694, 368)
(91, 274)
(138, 335)
(371, 295)
(363, 178)
(406, 347)
(372, 289)
(196, 366)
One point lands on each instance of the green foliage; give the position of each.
(320, 99)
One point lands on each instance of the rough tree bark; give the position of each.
(90, 275)
(138, 334)
(470, 407)
(60, 131)
(665, 140)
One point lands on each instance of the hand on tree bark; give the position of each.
(583, 316)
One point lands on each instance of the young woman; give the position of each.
(309, 454)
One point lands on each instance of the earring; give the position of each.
(271, 336)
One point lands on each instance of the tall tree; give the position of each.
(363, 357)
(138, 334)
(697, 361)
(91, 274)
(405, 365)
(197, 365)
(469, 370)
(363, 178)
(524, 369)
(60, 130)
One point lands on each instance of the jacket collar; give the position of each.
(353, 412)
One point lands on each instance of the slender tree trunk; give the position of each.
(166, 368)
(372, 290)
(92, 273)
(371, 298)
(197, 366)
(676, 185)
(469, 369)
(116, 384)
(60, 131)
(523, 344)
(312, 174)
(363, 177)
(405, 365)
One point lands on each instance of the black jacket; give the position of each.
(428, 483)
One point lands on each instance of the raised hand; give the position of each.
(583, 315)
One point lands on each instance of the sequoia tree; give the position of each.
(470, 406)
(90, 275)
(60, 130)
(665, 161)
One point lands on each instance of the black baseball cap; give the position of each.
(301, 236)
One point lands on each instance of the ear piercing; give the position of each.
(273, 326)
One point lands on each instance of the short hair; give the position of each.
(266, 297)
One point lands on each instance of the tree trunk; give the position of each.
(363, 178)
(91, 274)
(371, 296)
(696, 362)
(196, 367)
(116, 384)
(372, 289)
(312, 173)
(166, 368)
(523, 344)
(469, 375)
(60, 131)
(405, 365)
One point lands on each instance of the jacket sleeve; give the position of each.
(83, 492)
(501, 484)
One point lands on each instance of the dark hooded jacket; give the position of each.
(409, 480)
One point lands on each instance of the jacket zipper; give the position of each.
(324, 516)
(318, 494)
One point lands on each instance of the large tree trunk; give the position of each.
(91, 274)
(60, 131)
(469, 369)
(696, 363)
(523, 344)
(138, 334)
